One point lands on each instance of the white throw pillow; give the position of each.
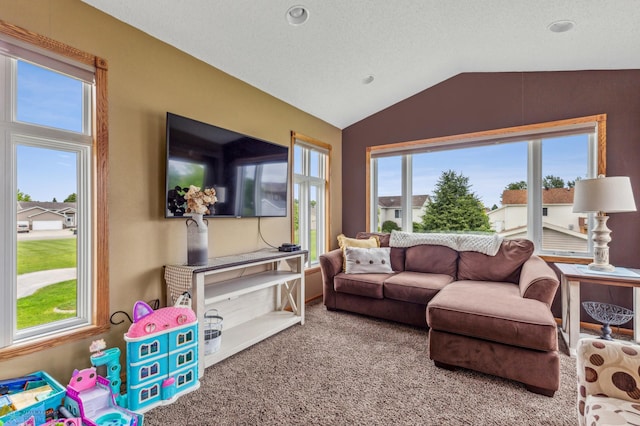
(368, 260)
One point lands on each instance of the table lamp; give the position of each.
(603, 195)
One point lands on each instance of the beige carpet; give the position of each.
(341, 368)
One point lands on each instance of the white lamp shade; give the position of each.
(604, 194)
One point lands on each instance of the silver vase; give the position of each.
(197, 240)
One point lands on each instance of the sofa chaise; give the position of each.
(486, 312)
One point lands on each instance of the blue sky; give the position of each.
(54, 100)
(489, 169)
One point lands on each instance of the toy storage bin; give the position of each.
(42, 411)
(212, 331)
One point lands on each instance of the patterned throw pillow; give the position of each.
(602, 410)
(344, 242)
(368, 260)
(608, 382)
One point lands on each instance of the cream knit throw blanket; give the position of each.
(487, 244)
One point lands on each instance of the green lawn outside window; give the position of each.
(54, 302)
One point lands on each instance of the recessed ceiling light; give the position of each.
(368, 79)
(297, 15)
(561, 26)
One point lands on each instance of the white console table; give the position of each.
(253, 293)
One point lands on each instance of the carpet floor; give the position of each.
(341, 368)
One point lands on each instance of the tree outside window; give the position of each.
(517, 182)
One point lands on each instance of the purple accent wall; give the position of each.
(476, 102)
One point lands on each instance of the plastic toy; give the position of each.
(162, 355)
(6, 406)
(64, 422)
(162, 364)
(30, 400)
(90, 397)
(110, 358)
(17, 383)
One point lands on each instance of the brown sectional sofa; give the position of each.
(486, 313)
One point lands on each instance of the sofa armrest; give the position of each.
(538, 281)
(607, 368)
(330, 266)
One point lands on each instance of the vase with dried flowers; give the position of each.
(199, 203)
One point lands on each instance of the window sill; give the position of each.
(36, 345)
(312, 270)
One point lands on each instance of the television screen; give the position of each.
(250, 175)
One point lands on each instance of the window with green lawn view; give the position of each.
(47, 148)
(310, 183)
(517, 183)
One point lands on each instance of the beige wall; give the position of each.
(146, 79)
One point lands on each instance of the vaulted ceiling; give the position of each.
(353, 58)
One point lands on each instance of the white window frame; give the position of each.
(84, 297)
(13, 134)
(595, 126)
(305, 182)
(91, 148)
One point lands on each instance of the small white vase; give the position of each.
(197, 240)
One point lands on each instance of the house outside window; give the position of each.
(522, 178)
(49, 150)
(310, 197)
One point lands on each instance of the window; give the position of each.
(185, 358)
(310, 199)
(186, 337)
(518, 182)
(185, 379)
(150, 392)
(53, 150)
(148, 371)
(147, 349)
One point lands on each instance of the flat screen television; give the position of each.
(250, 175)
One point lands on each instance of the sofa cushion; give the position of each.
(431, 259)
(397, 253)
(368, 285)
(607, 368)
(602, 410)
(538, 281)
(367, 260)
(493, 311)
(415, 287)
(504, 266)
(382, 237)
(344, 242)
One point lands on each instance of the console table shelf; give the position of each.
(238, 286)
(253, 331)
(255, 316)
